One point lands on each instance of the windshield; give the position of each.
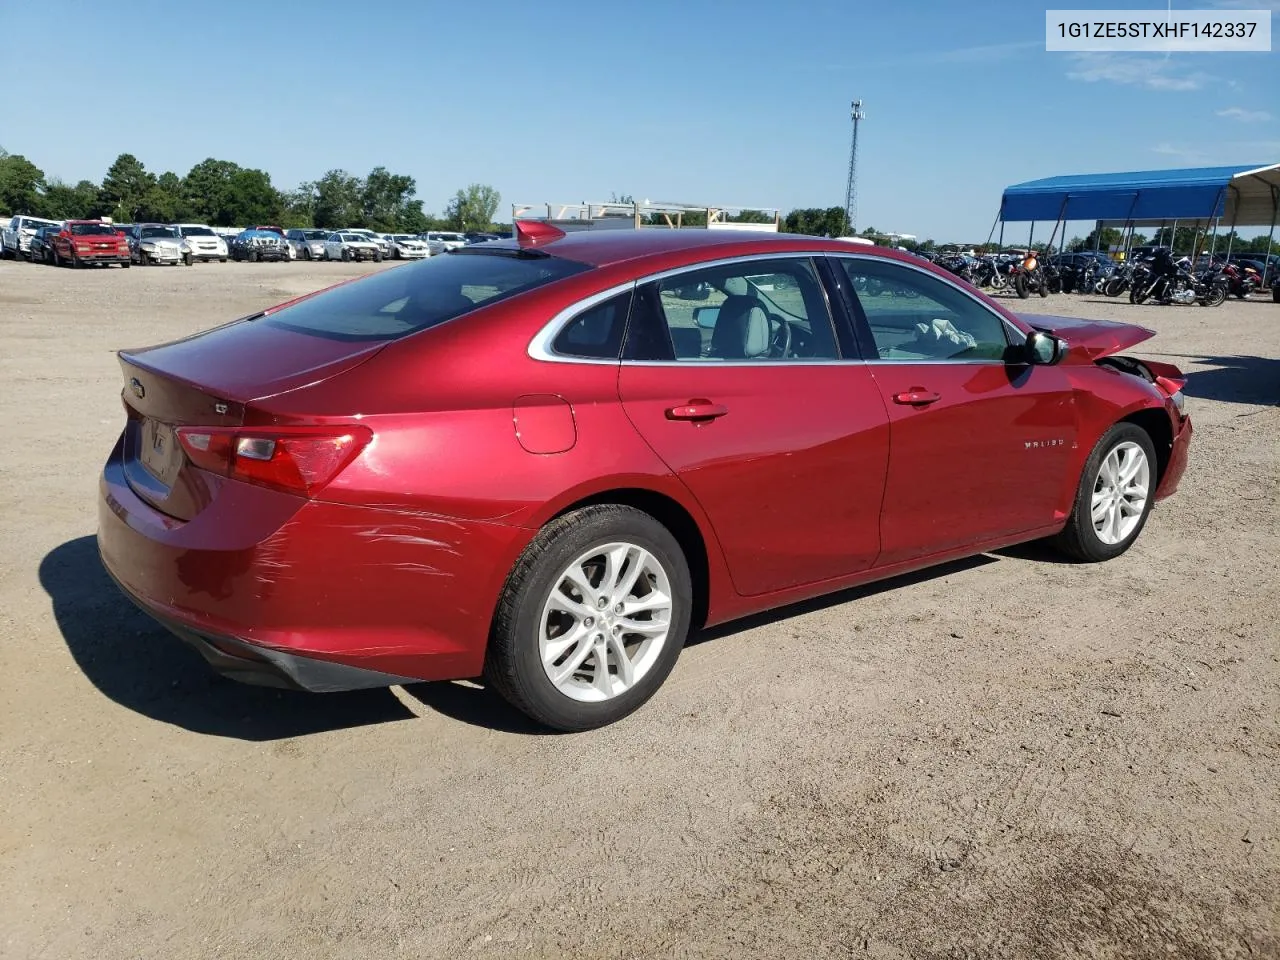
(158, 232)
(385, 306)
(92, 230)
(313, 234)
(196, 232)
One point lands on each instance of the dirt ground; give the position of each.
(1006, 757)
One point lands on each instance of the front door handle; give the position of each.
(917, 397)
(697, 410)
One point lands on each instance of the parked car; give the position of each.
(158, 243)
(307, 244)
(406, 247)
(204, 243)
(383, 244)
(598, 465)
(447, 239)
(279, 231)
(82, 243)
(254, 245)
(15, 239)
(352, 246)
(434, 247)
(40, 250)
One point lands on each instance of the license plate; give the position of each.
(160, 454)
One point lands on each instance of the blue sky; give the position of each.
(741, 102)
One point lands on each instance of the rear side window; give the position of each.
(596, 333)
(396, 303)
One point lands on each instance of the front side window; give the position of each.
(914, 316)
(758, 311)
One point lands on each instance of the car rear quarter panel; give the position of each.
(444, 409)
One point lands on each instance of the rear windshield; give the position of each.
(402, 301)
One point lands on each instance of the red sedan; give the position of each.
(546, 460)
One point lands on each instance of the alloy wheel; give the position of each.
(1120, 493)
(605, 622)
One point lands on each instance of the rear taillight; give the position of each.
(299, 460)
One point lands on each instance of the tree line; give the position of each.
(225, 194)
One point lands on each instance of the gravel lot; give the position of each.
(1006, 757)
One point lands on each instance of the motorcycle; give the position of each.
(1241, 281)
(1032, 277)
(1119, 281)
(1180, 285)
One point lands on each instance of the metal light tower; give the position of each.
(851, 191)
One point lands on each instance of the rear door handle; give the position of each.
(917, 397)
(697, 410)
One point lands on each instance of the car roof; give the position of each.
(603, 248)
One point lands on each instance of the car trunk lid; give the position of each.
(210, 380)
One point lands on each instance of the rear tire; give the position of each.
(1114, 287)
(528, 624)
(1104, 510)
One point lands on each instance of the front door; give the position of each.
(732, 375)
(980, 446)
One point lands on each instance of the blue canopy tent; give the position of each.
(1242, 196)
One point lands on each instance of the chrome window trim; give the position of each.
(540, 346)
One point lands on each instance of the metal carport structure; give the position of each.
(1240, 196)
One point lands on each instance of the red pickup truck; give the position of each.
(82, 242)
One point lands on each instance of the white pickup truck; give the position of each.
(15, 238)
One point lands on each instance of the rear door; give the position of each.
(980, 442)
(733, 376)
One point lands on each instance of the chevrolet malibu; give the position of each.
(546, 460)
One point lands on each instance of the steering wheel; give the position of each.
(781, 339)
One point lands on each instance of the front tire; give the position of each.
(1020, 286)
(592, 618)
(1115, 496)
(1216, 297)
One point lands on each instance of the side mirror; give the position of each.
(1043, 349)
(705, 317)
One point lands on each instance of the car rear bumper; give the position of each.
(271, 588)
(1177, 465)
